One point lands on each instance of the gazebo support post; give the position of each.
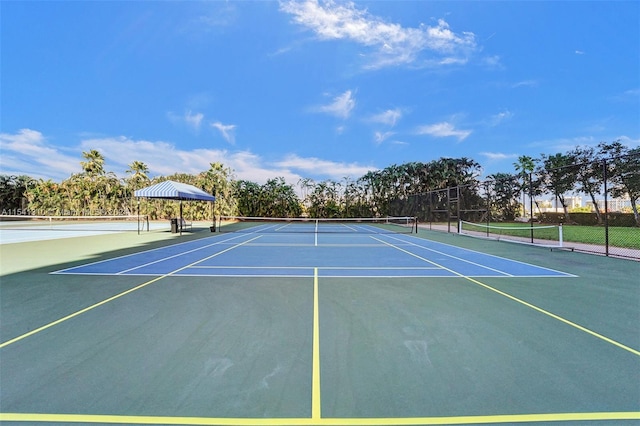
(181, 219)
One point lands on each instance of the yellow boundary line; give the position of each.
(112, 298)
(527, 304)
(80, 312)
(399, 421)
(316, 418)
(557, 317)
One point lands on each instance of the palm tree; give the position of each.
(94, 165)
(525, 166)
(138, 171)
(218, 181)
(44, 197)
(306, 185)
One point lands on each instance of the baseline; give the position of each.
(322, 421)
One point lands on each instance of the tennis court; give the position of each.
(359, 325)
(38, 228)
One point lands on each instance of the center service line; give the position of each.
(315, 382)
(117, 296)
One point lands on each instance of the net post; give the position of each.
(560, 237)
(415, 221)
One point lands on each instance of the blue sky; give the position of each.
(320, 90)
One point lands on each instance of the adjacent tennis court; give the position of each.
(352, 323)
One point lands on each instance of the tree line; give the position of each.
(610, 169)
(96, 191)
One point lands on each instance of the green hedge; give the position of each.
(588, 219)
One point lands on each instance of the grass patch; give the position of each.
(624, 237)
(618, 236)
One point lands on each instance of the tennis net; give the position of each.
(539, 235)
(382, 225)
(75, 223)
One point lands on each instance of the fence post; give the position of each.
(448, 210)
(458, 202)
(488, 193)
(531, 204)
(606, 208)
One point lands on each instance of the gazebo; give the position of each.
(170, 190)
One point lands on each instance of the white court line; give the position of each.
(177, 255)
(456, 258)
(565, 274)
(64, 271)
(325, 268)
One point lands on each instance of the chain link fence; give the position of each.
(595, 203)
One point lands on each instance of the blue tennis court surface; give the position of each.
(304, 255)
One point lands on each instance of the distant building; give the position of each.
(613, 205)
(554, 205)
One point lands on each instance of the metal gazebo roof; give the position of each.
(170, 190)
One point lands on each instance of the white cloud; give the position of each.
(190, 119)
(498, 156)
(341, 106)
(323, 168)
(392, 44)
(525, 83)
(28, 152)
(380, 137)
(219, 15)
(494, 62)
(193, 120)
(567, 144)
(632, 95)
(389, 117)
(226, 130)
(444, 129)
(628, 141)
(498, 118)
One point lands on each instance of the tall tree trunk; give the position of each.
(634, 207)
(595, 204)
(564, 207)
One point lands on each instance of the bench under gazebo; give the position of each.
(170, 190)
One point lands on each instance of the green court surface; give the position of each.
(315, 347)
